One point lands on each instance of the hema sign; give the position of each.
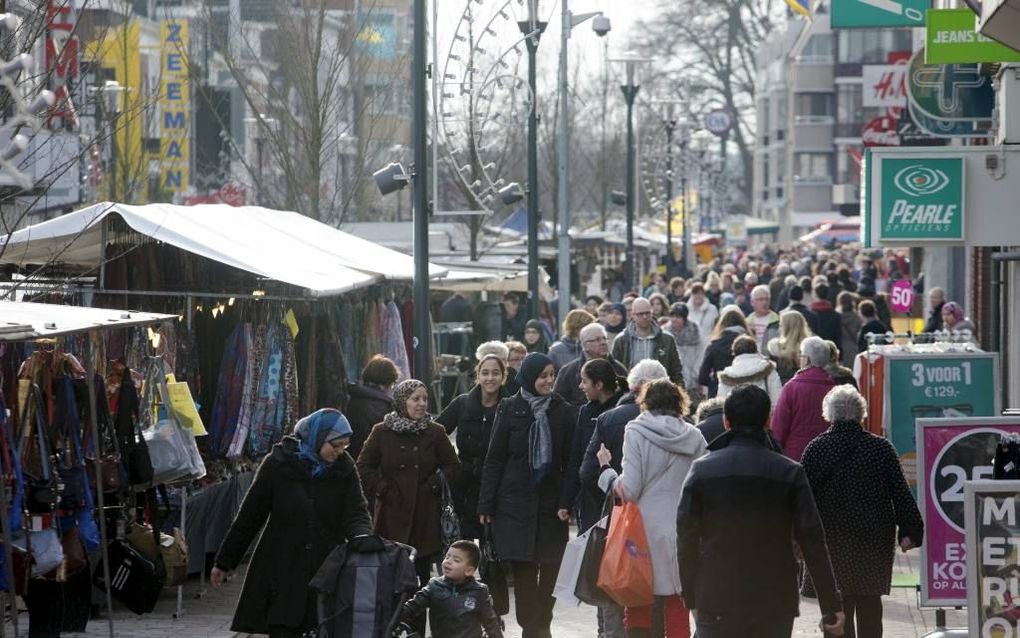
(940, 196)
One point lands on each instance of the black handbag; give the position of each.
(133, 446)
(449, 522)
(491, 573)
(135, 580)
(587, 589)
(42, 491)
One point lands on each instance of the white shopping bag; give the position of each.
(570, 569)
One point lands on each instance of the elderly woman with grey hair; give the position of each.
(865, 506)
(797, 418)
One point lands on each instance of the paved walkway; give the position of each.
(209, 616)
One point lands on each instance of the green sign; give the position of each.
(932, 386)
(953, 39)
(921, 199)
(867, 14)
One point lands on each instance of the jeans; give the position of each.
(741, 626)
(533, 599)
(863, 617)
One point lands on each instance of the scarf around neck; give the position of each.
(539, 437)
(399, 423)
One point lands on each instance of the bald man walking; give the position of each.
(643, 339)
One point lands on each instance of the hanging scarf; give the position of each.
(399, 420)
(317, 429)
(539, 437)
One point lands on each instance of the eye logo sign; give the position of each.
(919, 180)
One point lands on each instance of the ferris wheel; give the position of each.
(484, 99)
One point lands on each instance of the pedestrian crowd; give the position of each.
(722, 405)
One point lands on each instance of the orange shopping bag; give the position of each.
(625, 573)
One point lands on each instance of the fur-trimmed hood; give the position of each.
(747, 368)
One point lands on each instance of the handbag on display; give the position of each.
(107, 457)
(449, 522)
(44, 548)
(172, 449)
(135, 580)
(42, 491)
(129, 432)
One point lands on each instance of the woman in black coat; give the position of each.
(370, 400)
(310, 494)
(524, 491)
(602, 387)
(865, 506)
(719, 354)
(471, 415)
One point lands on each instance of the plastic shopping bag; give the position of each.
(570, 569)
(626, 570)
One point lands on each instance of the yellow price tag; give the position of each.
(291, 322)
(184, 408)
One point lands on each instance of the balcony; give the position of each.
(813, 132)
(845, 194)
(812, 194)
(813, 78)
(849, 130)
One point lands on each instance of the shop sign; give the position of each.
(950, 453)
(901, 296)
(62, 64)
(952, 37)
(719, 122)
(174, 108)
(865, 14)
(880, 131)
(922, 199)
(884, 85)
(950, 91)
(929, 386)
(993, 541)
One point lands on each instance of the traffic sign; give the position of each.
(922, 199)
(866, 14)
(950, 452)
(952, 37)
(949, 91)
(719, 122)
(902, 296)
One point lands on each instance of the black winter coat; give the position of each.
(307, 517)
(711, 424)
(863, 499)
(472, 422)
(368, 406)
(830, 326)
(524, 523)
(455, 611)
(718, 357)
(609, 428)
(727, 571)
(568, 379)
(589, 503)
(873, 326)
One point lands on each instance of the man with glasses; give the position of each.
(643, 339)
(594, 345)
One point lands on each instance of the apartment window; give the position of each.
(813, 104)
(849, 103)
(764, 122)
(848, 171)
(872, 46)
(819, 48)
(781, 165)
(812, 167)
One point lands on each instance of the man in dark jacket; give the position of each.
(797, 303)
(871, 325)
(513, 318)
(594, 345)
(830, 327)
(643, 339)
(709, 418)
(744, 505)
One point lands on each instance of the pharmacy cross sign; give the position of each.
(948, 82)
(922, 199)
(949, 91)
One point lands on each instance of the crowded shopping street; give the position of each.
(457, 319)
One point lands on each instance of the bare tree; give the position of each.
(714, 45)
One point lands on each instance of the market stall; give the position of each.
(33, 338)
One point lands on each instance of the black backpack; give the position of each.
(360, 594)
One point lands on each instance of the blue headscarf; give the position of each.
(315, 430)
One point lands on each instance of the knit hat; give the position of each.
(531, 370)
(953, 308)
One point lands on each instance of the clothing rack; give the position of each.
(958, 337)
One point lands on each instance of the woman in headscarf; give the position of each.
(616, 320)
(308, 491)
(399, 468)
(525, 493)
(534, 337)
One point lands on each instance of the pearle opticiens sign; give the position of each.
(922, 199)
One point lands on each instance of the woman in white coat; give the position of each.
(750, 366)
(658, 450)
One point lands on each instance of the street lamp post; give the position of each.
(259, 122)
(420, 212)
(532, 29)
(601, 26)
(684, 165)
(630, 91)
(670, 125)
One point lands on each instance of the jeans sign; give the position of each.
(922, 199)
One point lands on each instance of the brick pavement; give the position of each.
(209, 616)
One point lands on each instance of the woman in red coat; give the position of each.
(797, 419)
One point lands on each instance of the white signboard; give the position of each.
(884, 85)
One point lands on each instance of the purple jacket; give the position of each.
(797, 419)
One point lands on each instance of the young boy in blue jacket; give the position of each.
(459, 606)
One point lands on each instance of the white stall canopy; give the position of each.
(24, 321)
(275, 244)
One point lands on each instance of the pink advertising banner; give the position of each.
(951, 452)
